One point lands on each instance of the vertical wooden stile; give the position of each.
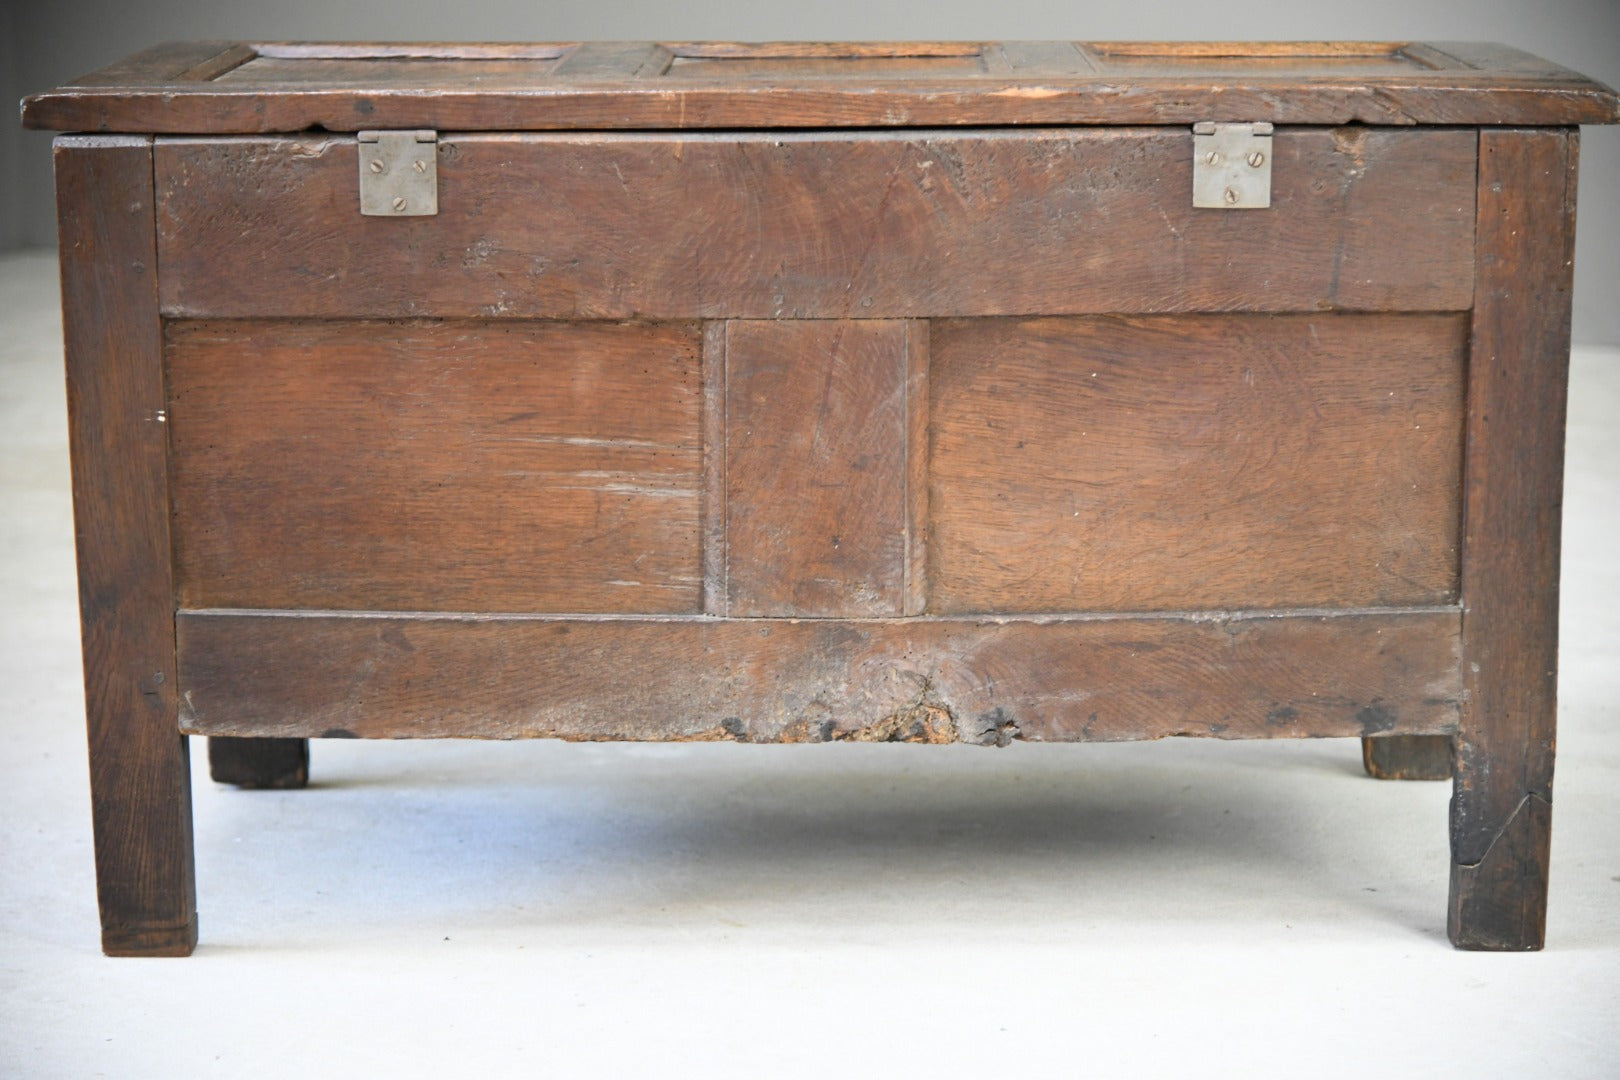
(140, 778)
(712, 515)
(1501, 811)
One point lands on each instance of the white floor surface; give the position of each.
(538, 909)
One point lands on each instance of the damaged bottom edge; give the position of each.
(166, 939)
(1499, 902)
(934, 680)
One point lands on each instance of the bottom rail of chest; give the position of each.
(930, 680)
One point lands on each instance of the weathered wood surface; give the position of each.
(647, 85)
(398, 73)
(818, 225)
(424, 465)
(775, 680)
(970, 371)
(778, 68)
(269, 764)
(1408, 757)
(435, 50)
(614, 59)
(1218, 461)
(173, 62)
(140, 780)
(1501, 809)
(818, 508)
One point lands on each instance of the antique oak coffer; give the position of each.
(932, 392)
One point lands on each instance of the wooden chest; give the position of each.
(925, 392)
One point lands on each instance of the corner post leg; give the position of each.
(140, 779)
(1501, 809)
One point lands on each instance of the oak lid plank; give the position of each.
(171, 62)
(244, 88)
(615, 59)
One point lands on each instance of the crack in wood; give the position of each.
(1502, 830)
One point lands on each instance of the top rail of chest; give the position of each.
(222, 87)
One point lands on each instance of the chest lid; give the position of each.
(240, 88)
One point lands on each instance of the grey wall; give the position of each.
(46, 42)
(11, 140)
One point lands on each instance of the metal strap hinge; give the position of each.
(1231, 166)
(399, 173)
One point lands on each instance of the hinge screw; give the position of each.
(1231, 195)
(399, 202)
(1255, 158)
(376, 166)
(1212, 158)
(421, 166)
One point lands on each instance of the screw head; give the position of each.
(1212, 158)
(1255, 158)
(399, 202)
(375, 166)
(419, 165)
(1231, 195)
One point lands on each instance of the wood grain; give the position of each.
(1139, 464)
(1408, 757)
(874, 84)
(140, 778)
(424, 50)
(1170, 52)
(775, 680)
(1501, 806)
(614, 60)
(301, 74)
(1490, 58)
(425, 465)
(259, 764)
(172, 62)
(919, 360)
(1040, 59)
(818, 516)
(714, 468)
(779, 68)
(818, 225)
(825, 50)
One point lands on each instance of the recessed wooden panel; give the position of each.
(816, 680)
(426, 465)
(1304, 60)
(824, 67)
(1138, 464)
(818, 225)
(818, 514)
